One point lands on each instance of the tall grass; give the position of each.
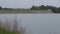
(7, 26)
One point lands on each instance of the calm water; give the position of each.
(36, 23)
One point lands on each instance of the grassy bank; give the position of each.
(7, 27)
(3, 31)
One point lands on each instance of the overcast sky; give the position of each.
(27, 3)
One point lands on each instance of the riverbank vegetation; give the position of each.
(42, 7)
(6, 28)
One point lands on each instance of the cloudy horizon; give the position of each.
(28, 3)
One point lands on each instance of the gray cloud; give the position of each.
(27, 3)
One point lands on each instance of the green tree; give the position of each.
(47, 7)
(42, 7)
(33, 8)
(58, 10)
(5, 8)
(0, 8)
(53, 9)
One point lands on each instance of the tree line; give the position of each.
(42, 7)
(5, 8)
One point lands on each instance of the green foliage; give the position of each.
(0, 8)
(34, 8)
(58, 10)
(42, 7)
(53, 9)
(3, 31)
(7, 8)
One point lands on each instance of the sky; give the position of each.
(27, 3)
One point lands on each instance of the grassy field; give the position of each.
(25, 11)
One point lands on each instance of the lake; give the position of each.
(36, 23)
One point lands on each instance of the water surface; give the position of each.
(36, 23)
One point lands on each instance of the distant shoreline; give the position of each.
(17, 11)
